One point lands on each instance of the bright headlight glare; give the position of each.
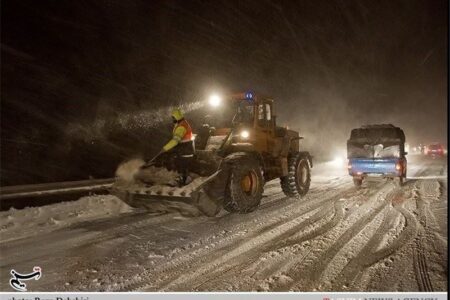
(338, 161)
(245, 134)
(215, 100)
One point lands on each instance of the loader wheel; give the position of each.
(246, 186)
(228, 203)
(298, 180)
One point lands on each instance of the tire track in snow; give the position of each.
(241, 259)
(335, 209)
(369, 256)
(337, 217)
(274, 266)
(421, 268)
(282, 262)
(284, 240)
(276, 231)
(277, 266)
(428, 190)
(198, 256)
(280, 197)
(314, 272)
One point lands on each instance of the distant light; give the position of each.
(215, 100)
(249, 95)
(338, 161)
(245, 134)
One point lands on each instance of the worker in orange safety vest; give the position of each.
(182, 131)
(181, 144)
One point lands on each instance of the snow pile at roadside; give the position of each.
(35, 220)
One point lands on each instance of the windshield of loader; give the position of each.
(232, 114)
(244, 113)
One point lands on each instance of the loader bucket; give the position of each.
(191, 199)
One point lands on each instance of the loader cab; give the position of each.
(254, 111)
(247, 122)
(254, 119)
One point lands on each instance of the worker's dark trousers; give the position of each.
(184, 155)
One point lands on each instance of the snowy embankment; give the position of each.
(30, 221)
(21, 223)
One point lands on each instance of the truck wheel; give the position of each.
(246, 186)
(399, 181)
(357, 182)
(298, 180)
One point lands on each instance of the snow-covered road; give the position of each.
(337, 238)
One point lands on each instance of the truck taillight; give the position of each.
(398, 166)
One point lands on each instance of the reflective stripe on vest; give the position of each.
(188, 135)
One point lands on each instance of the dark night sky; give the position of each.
(82, 80)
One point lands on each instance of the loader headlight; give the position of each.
(244, 134)
(215, 100)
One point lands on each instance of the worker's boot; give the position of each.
(187, 180)
(183, 180)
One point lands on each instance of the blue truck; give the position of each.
(377, 151)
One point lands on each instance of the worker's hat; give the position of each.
(177, 114)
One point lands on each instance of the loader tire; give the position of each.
(298, 180)
(245, 186)
(228, 203)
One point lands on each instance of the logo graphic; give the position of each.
(16, 283)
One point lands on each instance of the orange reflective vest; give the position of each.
(188, 135)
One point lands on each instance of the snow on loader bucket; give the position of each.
(136, 190)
